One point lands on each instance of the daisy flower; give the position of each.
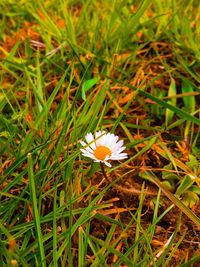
(102, 147)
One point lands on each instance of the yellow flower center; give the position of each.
(101, 152)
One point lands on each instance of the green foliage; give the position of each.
(77, 66)
(184, 187)
(171, 94)
(87, 85)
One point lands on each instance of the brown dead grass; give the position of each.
(121, 204)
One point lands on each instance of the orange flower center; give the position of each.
(101, 152)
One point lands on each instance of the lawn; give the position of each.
(99, 133)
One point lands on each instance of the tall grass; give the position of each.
(73, 67)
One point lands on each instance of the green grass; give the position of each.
(73, 67)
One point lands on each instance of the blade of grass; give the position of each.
(55, 261)
(178, 111)
(174, 199)
(81, 257)
(138, 223)
(171, 92)
(35, 210)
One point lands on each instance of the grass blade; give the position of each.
(35, 210)
(178, 111)
(174, 199)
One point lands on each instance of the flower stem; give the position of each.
(125, 190)
(104, 173)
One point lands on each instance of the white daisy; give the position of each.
(103, 147)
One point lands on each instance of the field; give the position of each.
(127, 67)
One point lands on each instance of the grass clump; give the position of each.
(73, 67)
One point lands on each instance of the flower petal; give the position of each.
(90, 140)
(85, 152)
(97, 136)
(107, 164)
(82, 143)
(118, 157)
(119, 150)
(102, 140)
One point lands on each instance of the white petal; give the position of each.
(107, 164)
(102, 140)
(105, 141)
(86, 147)
(90, 140)
(116, 146)
(107, 158)
(97, 134)
(119, 157)
(82, 143)
(119, 150)
(111, 141)
(89, 149)
(84, 152)
(89, 137)
(118, 154)
(86, 155)
(96, 160)
(120, 143)
(115, 139)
